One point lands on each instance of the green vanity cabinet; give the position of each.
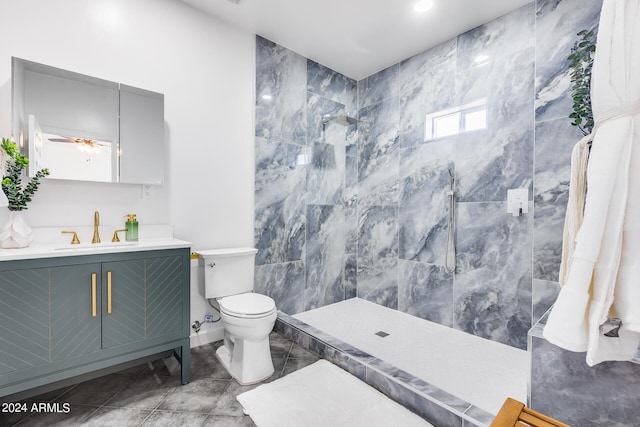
(63, 319)
(74, 328)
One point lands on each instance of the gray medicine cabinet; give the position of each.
(85, 128)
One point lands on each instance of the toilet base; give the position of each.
(248, 362)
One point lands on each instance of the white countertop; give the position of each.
(49, 243)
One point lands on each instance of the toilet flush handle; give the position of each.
(211, 264)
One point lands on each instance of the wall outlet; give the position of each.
(147, 191)
(208, 318)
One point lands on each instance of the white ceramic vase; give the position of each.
(16, 233)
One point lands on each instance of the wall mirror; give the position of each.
(85, 128)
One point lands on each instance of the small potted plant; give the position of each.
(16, 233)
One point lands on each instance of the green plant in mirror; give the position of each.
(581, 58)
(11, 181)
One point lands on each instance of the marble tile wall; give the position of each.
(563, 386)
(305, 223)
(362, 210)
(400, 174)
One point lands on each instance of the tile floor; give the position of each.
(148, 395)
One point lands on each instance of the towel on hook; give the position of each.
(575, 205)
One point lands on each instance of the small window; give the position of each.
(452, 121)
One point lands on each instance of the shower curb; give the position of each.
(431, 403)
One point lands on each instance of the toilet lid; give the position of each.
(247, 304)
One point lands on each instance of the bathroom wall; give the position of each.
(205, 69)
(391, 225)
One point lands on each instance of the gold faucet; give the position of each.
(96, 223)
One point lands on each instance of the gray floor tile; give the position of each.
(144, 392)
(149, 395)
(205, 364)
(174, 419)
(75, 417)
(117, 417)
(200, 395)
(225, 421)
(96, 391)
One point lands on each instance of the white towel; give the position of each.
(601, 280)
(575, 205)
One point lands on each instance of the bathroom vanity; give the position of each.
(71, 313)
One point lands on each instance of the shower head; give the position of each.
(342, 119)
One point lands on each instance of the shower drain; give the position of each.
(381, 334)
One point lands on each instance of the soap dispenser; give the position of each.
(132, 228)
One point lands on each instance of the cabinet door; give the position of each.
(75, 310)
(164, 303)
(123, 291)
(24, 319)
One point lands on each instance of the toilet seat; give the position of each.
(249, 305)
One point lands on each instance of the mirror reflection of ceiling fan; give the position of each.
(85, 141)
(84, 144)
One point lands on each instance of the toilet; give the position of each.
(247, 317)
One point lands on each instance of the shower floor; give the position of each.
(477, 370)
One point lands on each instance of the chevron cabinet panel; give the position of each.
(123, 319)
(74, 329)
(164, 296)
(24, 319)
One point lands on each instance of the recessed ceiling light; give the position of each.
(423, 5)
(266, 97)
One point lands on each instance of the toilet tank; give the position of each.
(228, 271)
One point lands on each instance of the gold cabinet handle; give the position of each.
(108, 292)
(93, 294)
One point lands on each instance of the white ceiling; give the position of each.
(356, 37)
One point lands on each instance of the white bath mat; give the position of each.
(324, 395)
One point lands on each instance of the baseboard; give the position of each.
(207, 334)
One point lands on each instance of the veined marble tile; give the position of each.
(427, 85)
(544, 294)
(279, 203)
(497, 39)
(326, 173)
(350, 276)
(351, 98)
(352, 137)
(282, 75)
(426, 291)
(424, 202)
(557, 25)
(351, 182)
(324, 255)
(564, 387)
(488, 165)
(554, 142)
(318, 108)
(492, 293)
(378, 255)
(378, 155)
(351, 229)
(284, 282)
(379, 86)
(327, 83)
(506, 83)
